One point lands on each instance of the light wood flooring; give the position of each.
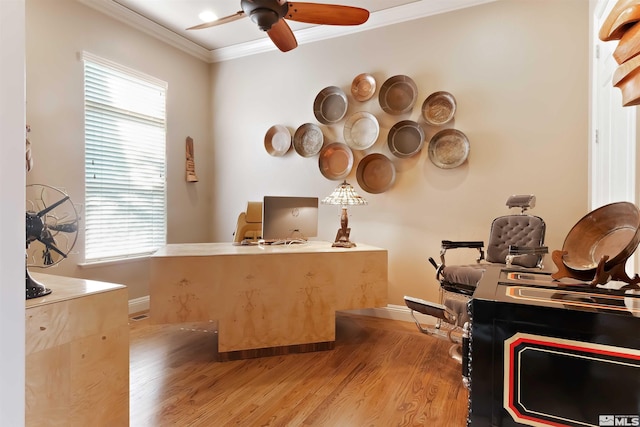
(381, 373)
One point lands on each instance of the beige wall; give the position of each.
(56, 32)
(518, 68)
(519, 71)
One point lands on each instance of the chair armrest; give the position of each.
(527, 250)
(472, 244)
(449, 244)
(516, 251)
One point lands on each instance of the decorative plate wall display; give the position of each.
(308, 140)
(277, 140)
(361, 130)
(335, 161)
(439, 108)
(448, 148)
(398, 95)
(330, 105)
(376, 173)
(405, 138)
(363, 87)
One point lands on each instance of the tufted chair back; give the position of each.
(515, 230)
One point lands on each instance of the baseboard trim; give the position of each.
(394, 312)
(391, 311)
(138, 305)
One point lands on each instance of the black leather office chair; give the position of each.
(514, 241)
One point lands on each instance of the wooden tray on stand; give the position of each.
(597, 248)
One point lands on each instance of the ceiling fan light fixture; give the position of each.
(265, 18)
(207, 16)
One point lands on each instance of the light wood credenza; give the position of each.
(77, 354)
(267, 299)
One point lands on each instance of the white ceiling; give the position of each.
(168, 20)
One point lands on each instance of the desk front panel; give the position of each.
(268, 297)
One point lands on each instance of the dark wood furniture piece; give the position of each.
(556, 353)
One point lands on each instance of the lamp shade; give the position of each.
(344, 195)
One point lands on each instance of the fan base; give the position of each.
(35, 289)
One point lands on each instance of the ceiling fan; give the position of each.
(270, 16)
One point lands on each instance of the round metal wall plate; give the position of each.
(308, 140)
(363, 87)
(448, 148)
(361, 130)
(439, 108)
(335, 161)
(375, 173)
(330, 105)
(398, 95)
(277, 140)
(405, 138)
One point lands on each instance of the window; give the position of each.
(125, 137)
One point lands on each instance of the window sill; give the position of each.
(110, 262)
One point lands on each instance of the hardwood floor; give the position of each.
(381, 373)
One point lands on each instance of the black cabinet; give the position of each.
(553, 353)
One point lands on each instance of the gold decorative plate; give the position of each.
(335, 161)
(363, 87)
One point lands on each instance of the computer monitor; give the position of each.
(289, 218)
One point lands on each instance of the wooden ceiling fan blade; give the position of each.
(282, 36)
(326, 14)
(239, 14)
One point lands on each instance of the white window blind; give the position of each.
(125, 137)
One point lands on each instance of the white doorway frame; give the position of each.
(612, 145)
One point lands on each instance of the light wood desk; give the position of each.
(267, 299)
(77, 354)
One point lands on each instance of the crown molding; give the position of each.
(408, 12)
(123, 14)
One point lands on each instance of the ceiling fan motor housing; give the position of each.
(265, 13)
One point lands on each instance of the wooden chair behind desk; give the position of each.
(249, 224)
